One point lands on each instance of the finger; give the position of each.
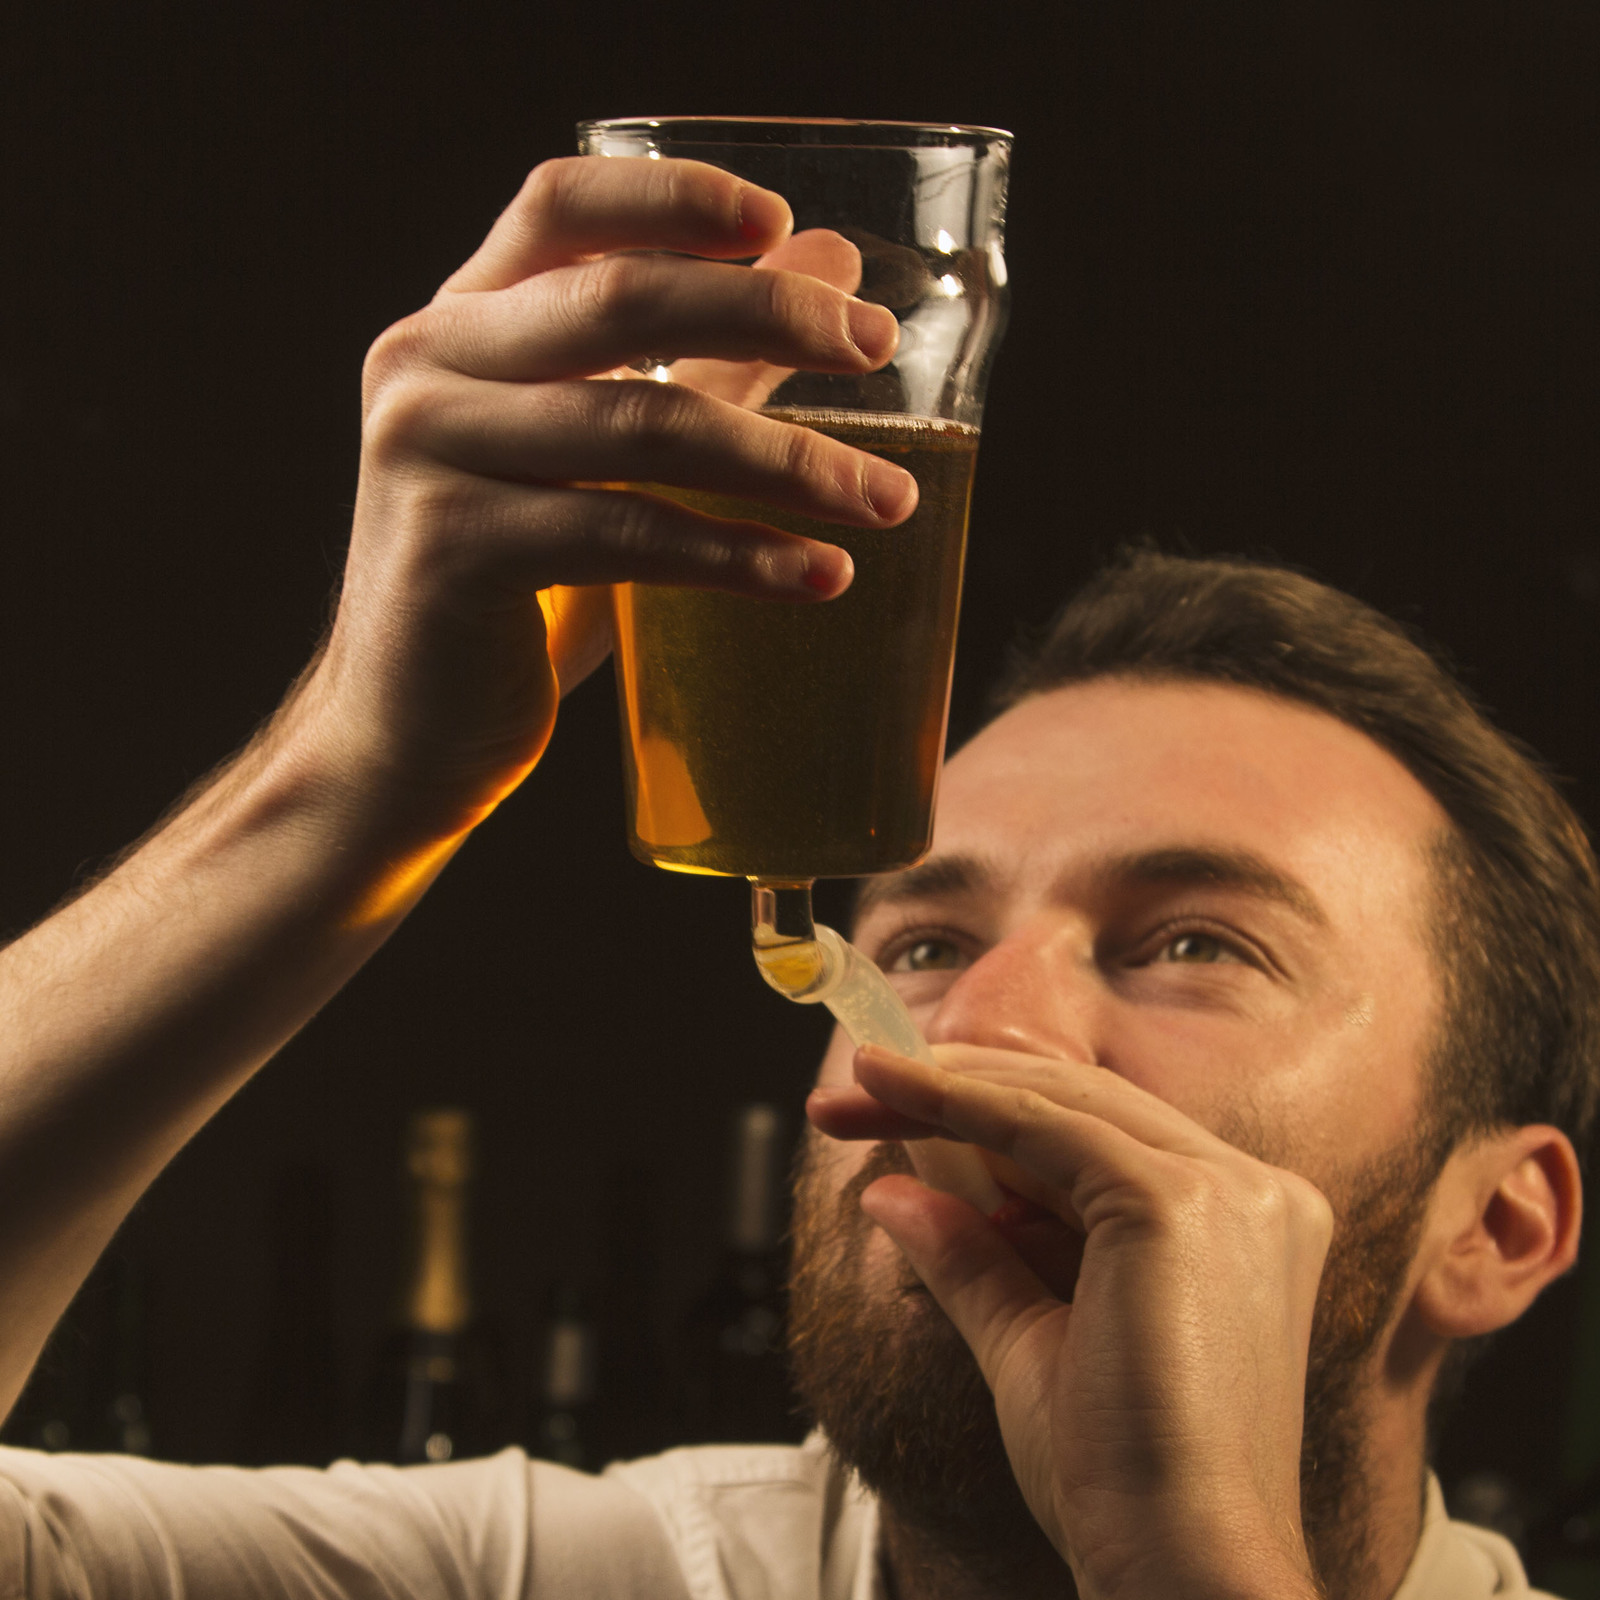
(641, 432)
(818, 253)
(1080, 1086)
(1074, 1153)
(941, 1163)
(583, 206)
(848, 1112)
(983, 1285)
(504, 537)
(580, 321)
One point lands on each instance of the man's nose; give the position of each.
(1034, 991)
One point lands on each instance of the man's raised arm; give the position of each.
(470, 601)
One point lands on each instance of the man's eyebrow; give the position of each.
(1180, 866)
(1219, 869)
(943, 876)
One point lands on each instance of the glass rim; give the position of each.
(800, 130)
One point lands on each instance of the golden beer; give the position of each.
(795, 741)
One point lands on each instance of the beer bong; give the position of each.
(811, 964)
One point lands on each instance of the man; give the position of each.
(1247, 946)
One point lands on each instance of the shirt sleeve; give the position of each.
(503, 1528)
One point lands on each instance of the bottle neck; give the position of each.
(439, 1297)
(568, 1376)
(753, 1218)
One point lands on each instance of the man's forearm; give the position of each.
(130, 1015)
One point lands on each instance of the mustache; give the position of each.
(849, 1226)
(884, 1159)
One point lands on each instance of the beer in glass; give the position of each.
(790, 742)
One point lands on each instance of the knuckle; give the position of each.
(804, 452)
(546, 192)
(800, 307)
(445, 533)
(394, 352)
(1266, 1202)
(1309, 1207)
(1029, 1111)
(751, 560)
(633, 525)
(1192, 1194)
(859, 481)
(401, 416)
(1279, 1204)
(815, 310)
(774, 295)
(649, 418)
(839, 472)
(455, 509)
(614, 289)
(706, 191)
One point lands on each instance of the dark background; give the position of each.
(1285, 282)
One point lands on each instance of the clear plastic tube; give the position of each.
(812, 965)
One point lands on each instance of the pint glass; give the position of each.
(764, 739)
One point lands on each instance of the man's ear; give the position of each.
(1504, 1223)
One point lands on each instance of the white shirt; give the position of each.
(765, 1522)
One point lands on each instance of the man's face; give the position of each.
(1218, 894)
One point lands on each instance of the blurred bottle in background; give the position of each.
(564, 1388)
(125, 1419)
(295, 1411)
(88, 1391)
(732, 1375)
(630, 1414)
(435, 1397)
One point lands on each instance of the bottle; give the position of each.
(434, 1399)
(629, 1414)
(563, 1424)
(126, 1419)
(733, 1375)
(294, 1415)
(87, 1391)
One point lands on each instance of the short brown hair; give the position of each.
(1517, 924)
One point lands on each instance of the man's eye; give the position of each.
(927, 955)
(1194, 949)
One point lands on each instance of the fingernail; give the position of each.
(822, 1094)
(891, 490)
(763, 216)
(873, 330)
(826, 571)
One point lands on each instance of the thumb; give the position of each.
(819, 253)
(577, 623)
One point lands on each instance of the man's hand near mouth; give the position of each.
(1108, 1305)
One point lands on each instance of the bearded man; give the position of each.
(1261, 971)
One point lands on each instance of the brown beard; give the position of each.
(896, 1390)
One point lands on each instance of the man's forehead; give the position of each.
(1121, 771)
(952, 877)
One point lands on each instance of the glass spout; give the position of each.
(809, 963)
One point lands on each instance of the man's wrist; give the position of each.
(1250, 1581)
(1215, 1559)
